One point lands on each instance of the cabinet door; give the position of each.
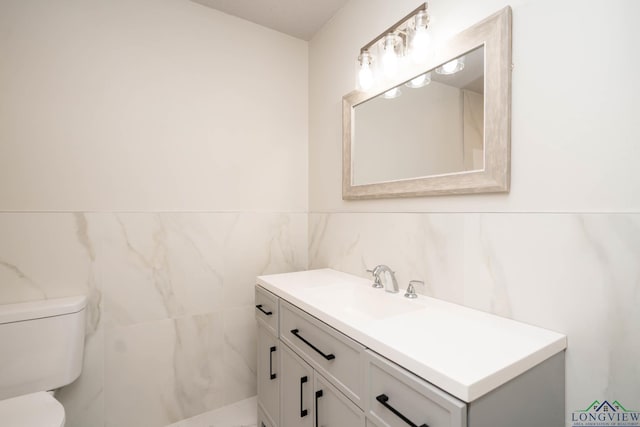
(332, 408)
(263, 420)
(268, 366)
(296, 409)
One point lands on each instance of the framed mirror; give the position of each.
(441, 128)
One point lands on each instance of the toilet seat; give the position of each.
(32, 410)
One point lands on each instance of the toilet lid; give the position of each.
(32, 410)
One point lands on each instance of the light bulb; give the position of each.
(392, 93)
(451, 67)
(365, 77)
(420, 81)
(365, 73)
(420, 45)
(390, 57)
(421, 39)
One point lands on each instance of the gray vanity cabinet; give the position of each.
(268, 359)
(263, 420)
(267, 310)
(297, 392)
(333, 408)
(394, 393)
(268, 373)
(310, 400)
(333, 354)
(312, 375)
(307, 378)
(532, 399)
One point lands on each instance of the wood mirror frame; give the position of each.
(494, 33)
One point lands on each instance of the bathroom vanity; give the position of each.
(332, 351)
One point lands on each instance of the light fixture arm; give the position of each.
(395, 28)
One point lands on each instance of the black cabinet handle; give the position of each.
(318, 395)
(303, 412)
(326, 356)
(272, 375)
(259, 307)
(384, 399)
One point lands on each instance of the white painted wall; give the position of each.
(153, 155)
(574, 141)
(561, 249)
(148, 105)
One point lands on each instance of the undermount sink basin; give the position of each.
(360, 301)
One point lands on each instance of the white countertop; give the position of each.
(463, 351)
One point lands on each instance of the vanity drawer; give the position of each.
(267, 309)
(394, 393)
(334, 355)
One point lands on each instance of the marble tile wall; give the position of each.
(171, 332)
(239, 414)
(577, 274)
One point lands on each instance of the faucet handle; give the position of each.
(411, 290)
(376, 277)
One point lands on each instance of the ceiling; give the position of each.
(298, 18)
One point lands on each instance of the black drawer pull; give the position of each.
(326, 356)
(318, 395)
(272, 375)
(383, 399)
(259, 307)
(303, 412)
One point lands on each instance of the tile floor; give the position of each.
(239, 414)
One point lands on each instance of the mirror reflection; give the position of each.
(430, 125)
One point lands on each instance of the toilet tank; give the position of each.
(41, 345)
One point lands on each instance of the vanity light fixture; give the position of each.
(381, 58)
(451, 67)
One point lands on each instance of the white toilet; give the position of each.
(41, 347)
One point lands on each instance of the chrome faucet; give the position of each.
(386, 277)
(411, 290)
(376, 276)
